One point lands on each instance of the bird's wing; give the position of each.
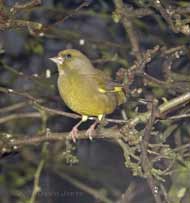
(105, 83)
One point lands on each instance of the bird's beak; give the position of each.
(58, 60)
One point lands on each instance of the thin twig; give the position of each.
(128, 25)
(94, 192)
(13, 107)
(16, 116)
(141, 117)
(74, 12)
(146, 164)
(36, 187)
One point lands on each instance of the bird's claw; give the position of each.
(89, 133)
(74, 134)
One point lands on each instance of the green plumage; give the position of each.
(83, 88)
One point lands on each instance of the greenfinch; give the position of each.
(86, 90)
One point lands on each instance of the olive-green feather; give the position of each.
(84, 89)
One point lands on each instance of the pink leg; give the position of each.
(91, 129)
(74, 131)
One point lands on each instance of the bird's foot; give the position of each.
(91, 130)
(74, 134)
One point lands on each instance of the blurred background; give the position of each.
(88, 171)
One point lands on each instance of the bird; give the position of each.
(85, 89)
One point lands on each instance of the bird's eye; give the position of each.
(68, 56)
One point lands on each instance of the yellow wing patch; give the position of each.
(116, 89)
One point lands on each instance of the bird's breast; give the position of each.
(80, 93)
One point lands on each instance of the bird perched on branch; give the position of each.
(85, 89)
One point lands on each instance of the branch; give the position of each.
(13, 107)
(128, 25)
(145, 162)
(163, 108)
(141, 117)
(94, 192)
(27, 5)
(12, 143)
(16, 116)
(36, 187)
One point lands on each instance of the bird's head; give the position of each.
(72, 59)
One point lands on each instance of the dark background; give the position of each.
(98, 163)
